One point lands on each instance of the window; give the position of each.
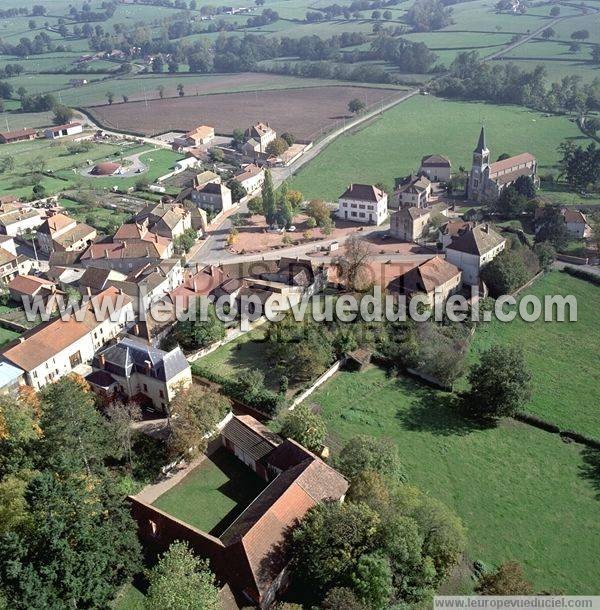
(353, 214)
(161, 393)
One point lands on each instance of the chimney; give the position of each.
(486, 227)
(101, 361)
(147, 367)
(105, 252)
(88, 291)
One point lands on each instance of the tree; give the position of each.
(237, 190)
(552, 228)
(318, 210)
(268, 198)
(305, 427)
(238, 138)
(122, 416)
(548, 33)
(372, 580)
(180, 90)
(353, 265)
(216, 154)
(172, 67)
(525, 186)
(255, 206)
(341, 597)
(510, 203)
(387, 15)
(509, 270)
(555, 11)
(507, 579)
(62, 114)
(181, 580)
(193, 415)
(500, 382)
(125, 98)
(161, 91)
(372, 489)
(157, 64)
(362, 453)
(277, 147)
(329, 541)
(356, 106)
(596, 54)
(32, 24)
(289, 138)
(40, 569)
(75, 434)
(198, 333)
(574, 47)
(546, 254)
(580, 35)
(110, 97)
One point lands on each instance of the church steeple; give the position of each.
(481, 147)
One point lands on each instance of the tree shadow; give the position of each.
(590, 469)
(440, 413)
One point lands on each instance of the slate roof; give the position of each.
(133, 355)
(251, 436)
(511, 162)
(477, 241)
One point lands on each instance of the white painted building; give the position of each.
(363, 203)
(55, 349)
(60, 131)
(473, 249)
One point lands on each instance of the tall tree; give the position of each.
(500, 382)
(507, 579)
(353, 265)
(181, 580)
(269, 198)
(305, 427)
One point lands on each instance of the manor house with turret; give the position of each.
(487, 180)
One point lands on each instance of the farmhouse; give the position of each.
(21, 221)
(78, 82)
(435, 278)
(59, 347)
(199, 136)
(409, 223)
(29, 287)
(212, 197)
(413, 191)
(257, 138)
(363, 203)
(61, 232)
(575, 221)
(487, 180)
(205, 178)
(474, 248)
(135, 232)
(436, 167)
(19, 135)
(169, 220)
(60, 131)
(251, 177)
(250, 555)
(134, 370)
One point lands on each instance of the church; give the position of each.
(487, 180)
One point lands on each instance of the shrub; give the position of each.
(582, 274)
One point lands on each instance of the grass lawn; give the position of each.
(563, 356)
(521, 492)
(393, 144)
(129, 598)
(7, 335)
(213, 495)
(243, 354)
(103, 218)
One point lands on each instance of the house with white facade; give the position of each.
(414, 191)
(251, 177)
(60, 131)
(131, 369)
(59, 347)
(472, 249)
(21, 221)
(201, 135)
(436, 167)
(363, 203)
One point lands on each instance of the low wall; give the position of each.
(527, 284)
(574, 260)
(320, 381)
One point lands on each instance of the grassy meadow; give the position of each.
(522, 493)
(392, 144)
(566, 381)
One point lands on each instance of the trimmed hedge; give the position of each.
(539, 422)
(582, 274)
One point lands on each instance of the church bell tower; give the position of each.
(478, 175)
